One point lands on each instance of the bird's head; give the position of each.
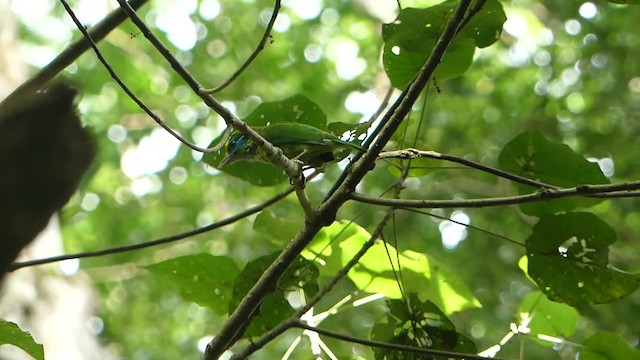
(238, 148)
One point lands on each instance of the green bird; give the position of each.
(312, 146)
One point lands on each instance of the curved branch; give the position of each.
(542, 195)
(253, 56)
(388, 346)
(124, 87)
(151, 243)
(414, 154)
(274, 154)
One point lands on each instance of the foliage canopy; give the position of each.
(532, 103)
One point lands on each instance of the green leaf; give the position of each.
(354, 130)
(204, 279)
(548, 317)
(336, 245)
(410, 39)
(608, 346)
(413, 322)
(486, 26)
(294, 109)
(532, 155)
(275, 308)
(568, 256)
(280, 222)
(11, 334)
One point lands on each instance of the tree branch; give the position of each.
(253, 56)
(273, 153)
(401, 108)
(388, 346)
(230, 333)
(282, 327)
(327, 211)
(124, 87)
(542, 195)
(414, 154)
(161, 241)
(368, 140)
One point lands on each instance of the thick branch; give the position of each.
(230, 333)
(328, 210)
(366, 163)
(273, 333)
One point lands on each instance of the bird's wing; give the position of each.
(294, 133)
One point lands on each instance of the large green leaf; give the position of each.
(355, 131)
(408, 41)
(532, 155)
(280, 222)
(486, 26)
(204, 279)
(431, 279)
(302, 274)
(568, 256)
(608, 346)
(548, 317)
(11, 334)
(294, 109)
(419, 324)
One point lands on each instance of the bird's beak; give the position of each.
(226, 160)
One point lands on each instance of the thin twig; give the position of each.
(161, 241)
(414, 154)
(542, 195)
(254, 55)
(73, 52)
(388, 346)
(272, 153)
(225, 137)
(469, 226)
(124, 87)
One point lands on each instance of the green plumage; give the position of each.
(312, 146)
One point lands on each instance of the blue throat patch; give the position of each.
(236, 143)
